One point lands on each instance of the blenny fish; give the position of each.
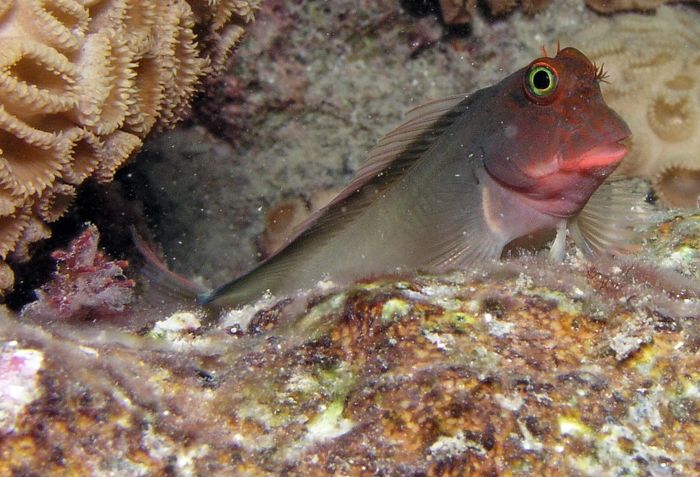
(460, 179)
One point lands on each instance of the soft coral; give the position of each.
(85, 283)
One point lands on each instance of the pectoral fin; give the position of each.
(606, 224)
(451, 210)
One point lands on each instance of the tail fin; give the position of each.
(165, 284)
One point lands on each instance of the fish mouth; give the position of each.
(602, 156)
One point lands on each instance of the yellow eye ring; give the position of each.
(542, 80)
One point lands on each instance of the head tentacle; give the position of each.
(600, 73)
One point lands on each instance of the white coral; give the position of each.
(654, 83)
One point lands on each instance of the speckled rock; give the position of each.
(518, 368)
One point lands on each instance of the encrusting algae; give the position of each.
(518, 368)
(611, 6)
(82, 83)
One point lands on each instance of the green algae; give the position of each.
(314, 323)
(564, 302)
(450, 322)
(460, 321)
(329, 424)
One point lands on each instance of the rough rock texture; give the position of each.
(521, 368)
(82, 82)
(460, 12)
(656, 88)
(611, 6)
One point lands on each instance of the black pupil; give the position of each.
(541, 80)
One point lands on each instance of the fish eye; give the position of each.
(541, 80)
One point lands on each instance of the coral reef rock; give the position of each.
(611, 6)
(519, 368)
(655, 86)
(82, 83)
(459, 12)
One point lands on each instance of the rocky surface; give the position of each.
(518, 368)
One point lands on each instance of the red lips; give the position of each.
(605, 155)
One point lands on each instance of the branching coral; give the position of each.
(83, 82)
(656, 88)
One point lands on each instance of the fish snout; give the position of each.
(602, 156)
(600, 149)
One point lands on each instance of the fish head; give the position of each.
(555, 139)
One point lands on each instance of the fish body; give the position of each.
(457, 181)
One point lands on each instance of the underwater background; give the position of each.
(520, 367)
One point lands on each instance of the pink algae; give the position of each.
(19, 370)
(86, 283)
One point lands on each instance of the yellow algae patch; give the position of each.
(564, 302)
(393, 309)
(459, 320)
(644, 361)
(575, 427)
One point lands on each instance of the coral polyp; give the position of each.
(679, 184)
(673, 117)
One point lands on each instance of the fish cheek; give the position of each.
(522, 154)
(510, 214)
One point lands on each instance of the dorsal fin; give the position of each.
(394, 153)
(406, 142)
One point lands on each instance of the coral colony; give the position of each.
(85, 283)
(655, 88)
(82, 86)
